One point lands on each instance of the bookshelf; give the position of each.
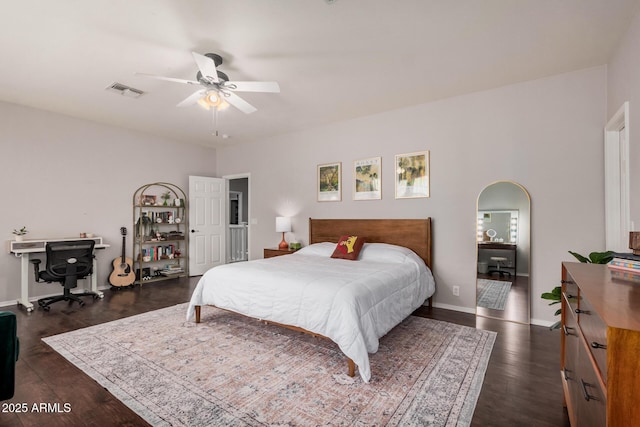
(160, 233)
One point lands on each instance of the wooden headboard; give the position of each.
(414, 234)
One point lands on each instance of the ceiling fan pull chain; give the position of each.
(215, 120)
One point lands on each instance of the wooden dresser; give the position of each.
(600, 353)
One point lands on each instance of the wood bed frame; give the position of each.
(414, 234)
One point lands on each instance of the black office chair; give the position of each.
(66, 263)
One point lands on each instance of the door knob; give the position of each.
(195, 231)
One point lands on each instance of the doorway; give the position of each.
(238, 218)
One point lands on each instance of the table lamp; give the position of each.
(283, 225)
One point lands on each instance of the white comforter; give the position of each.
(352, 302)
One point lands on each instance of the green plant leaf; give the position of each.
(554, 295)
(594, 257)
(601, 257)
(580, 257)
(558, 311)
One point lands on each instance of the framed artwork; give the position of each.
(367, 176)
(148, 200)
(412, 175)
(330, 182)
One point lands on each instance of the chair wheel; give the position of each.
(81, 303)
(95, 296)
(46, 308)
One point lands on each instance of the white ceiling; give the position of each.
(332, 61)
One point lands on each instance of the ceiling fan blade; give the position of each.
(239, 103)
(192, 99)
(206, 66)
(272, 87)
(169, 79)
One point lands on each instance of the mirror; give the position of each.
(503, 252)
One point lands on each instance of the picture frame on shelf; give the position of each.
(330, 182)
(367, 178)
(412, 175)
(148, 200)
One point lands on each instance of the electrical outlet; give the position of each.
(456, 291)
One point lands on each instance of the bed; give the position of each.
(353, 303)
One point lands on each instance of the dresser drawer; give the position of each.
(590, 400)
(570, 293)
(595, 334)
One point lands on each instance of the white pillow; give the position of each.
(385, 252)
(317, 249)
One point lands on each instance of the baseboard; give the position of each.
(455, 308)
(536, 322)
(540, 322)
(8, 303)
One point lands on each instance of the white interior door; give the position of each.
(207, 223)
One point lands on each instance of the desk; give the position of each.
(503, 247)
(26, 247)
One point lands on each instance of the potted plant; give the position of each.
(20, 233)
(555, 296)
(165, 196)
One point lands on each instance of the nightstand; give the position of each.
(271, 252)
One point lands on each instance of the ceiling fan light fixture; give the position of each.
(212, 99)
(203, 103)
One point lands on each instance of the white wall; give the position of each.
(623, 84)
(61, 176)
(544, 134)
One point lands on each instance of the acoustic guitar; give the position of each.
(122, 274)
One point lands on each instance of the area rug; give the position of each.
(231, 370)
(493, 293)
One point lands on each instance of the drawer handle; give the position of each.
(585, 393)
(578, 311)
(565, 371)
(598, 345)
(569, 296)
(568, 281)
(566, 328)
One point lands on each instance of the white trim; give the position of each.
(470, 310)
(616, 180)
(540, 322)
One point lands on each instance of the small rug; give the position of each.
(493, 293)
(232, 370)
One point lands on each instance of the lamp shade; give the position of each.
(283, 224)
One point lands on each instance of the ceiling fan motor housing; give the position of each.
(221, 76)
(217, 60)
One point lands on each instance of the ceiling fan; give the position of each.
(216, 90)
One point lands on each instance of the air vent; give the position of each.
(125, 90)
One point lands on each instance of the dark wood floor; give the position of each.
(522, 385)
(517, 307)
